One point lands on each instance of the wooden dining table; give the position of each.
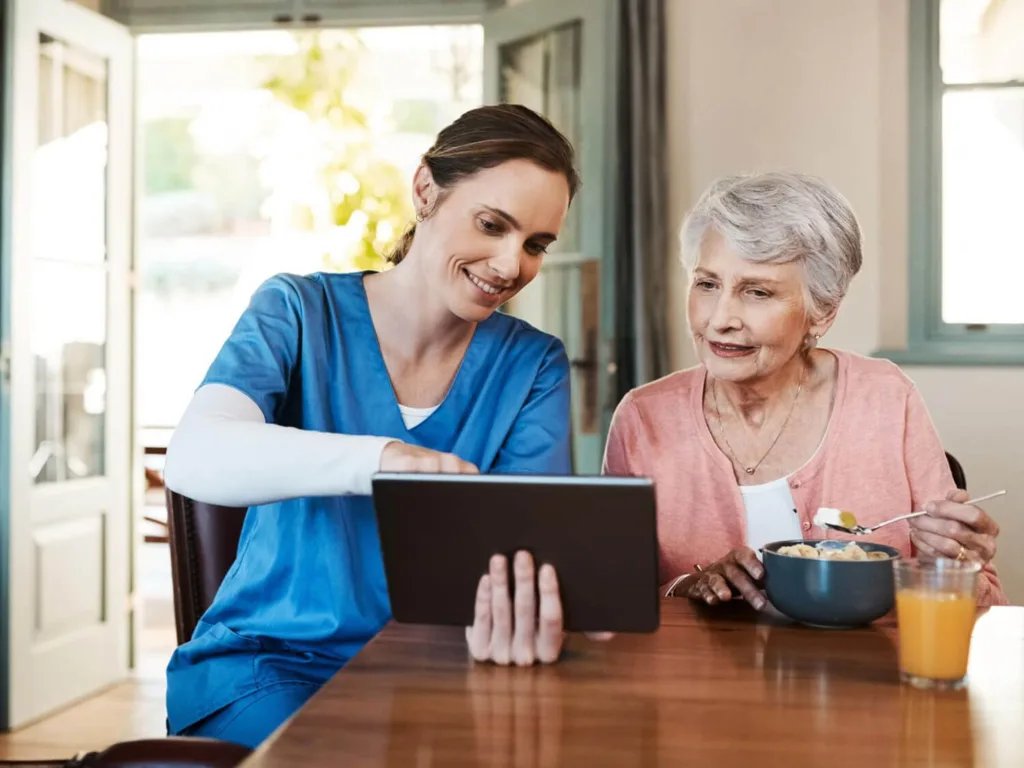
(721, 686)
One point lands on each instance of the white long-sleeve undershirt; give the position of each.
(223, 452)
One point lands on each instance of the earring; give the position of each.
(420, 216)
(812, 340)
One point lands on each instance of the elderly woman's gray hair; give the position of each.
(779, 217)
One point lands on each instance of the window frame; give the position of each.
(931, 340)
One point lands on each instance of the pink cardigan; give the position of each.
(881, 458)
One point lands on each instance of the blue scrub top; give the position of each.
(307, 588)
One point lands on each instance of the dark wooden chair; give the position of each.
(204, 543)
(170, 752)
(958, 471)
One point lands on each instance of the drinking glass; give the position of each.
(936, 606)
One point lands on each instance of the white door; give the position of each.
(69, 327)
(558, 58)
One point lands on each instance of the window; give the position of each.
(967, 181)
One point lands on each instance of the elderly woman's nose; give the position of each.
(724, 314)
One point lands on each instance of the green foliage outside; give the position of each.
(415, 116)
(170, 155)
(364, 191)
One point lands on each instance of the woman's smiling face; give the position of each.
(486, 238)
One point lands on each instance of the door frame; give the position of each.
(6, 181)
(295, 16)
(602, 46)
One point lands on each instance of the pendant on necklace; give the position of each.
(749, 470)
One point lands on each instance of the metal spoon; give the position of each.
(860, 530)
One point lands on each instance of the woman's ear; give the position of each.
(424, 192)
(820, 326)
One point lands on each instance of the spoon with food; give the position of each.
(846, 522)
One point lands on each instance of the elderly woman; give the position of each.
(746, 446)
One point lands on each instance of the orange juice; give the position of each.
(935, 632)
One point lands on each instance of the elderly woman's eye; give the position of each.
(705, 285)
(759, 293)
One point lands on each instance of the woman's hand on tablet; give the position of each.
(518, 633)
(403, 457)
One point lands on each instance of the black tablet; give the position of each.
(438, 533)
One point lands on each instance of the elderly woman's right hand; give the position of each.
(739, 571)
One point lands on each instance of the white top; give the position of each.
(771, 513)
(413, 417)
(223, 452)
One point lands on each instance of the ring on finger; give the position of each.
(961, 553)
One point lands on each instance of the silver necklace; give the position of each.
(721, 426)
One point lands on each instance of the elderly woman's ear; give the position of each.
(819, 328)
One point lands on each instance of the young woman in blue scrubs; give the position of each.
(329, 378)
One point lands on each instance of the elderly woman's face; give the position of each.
(747, 320)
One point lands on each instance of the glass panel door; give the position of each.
(68, 327)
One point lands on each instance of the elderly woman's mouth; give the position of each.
(730, 350)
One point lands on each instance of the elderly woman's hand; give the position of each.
(518, 634)
(739, 571)
(955, 529)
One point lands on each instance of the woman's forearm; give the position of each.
(223, 452)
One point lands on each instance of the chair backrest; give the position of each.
(204, 542)
(959, 477)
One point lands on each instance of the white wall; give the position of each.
(820, 86)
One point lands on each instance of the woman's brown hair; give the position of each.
(486, 137)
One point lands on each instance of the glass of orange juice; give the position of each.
(935, 608)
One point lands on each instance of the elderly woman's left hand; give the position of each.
(955, 529)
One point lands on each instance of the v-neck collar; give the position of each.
(436, 426)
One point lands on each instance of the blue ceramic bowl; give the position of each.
(830, 593)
